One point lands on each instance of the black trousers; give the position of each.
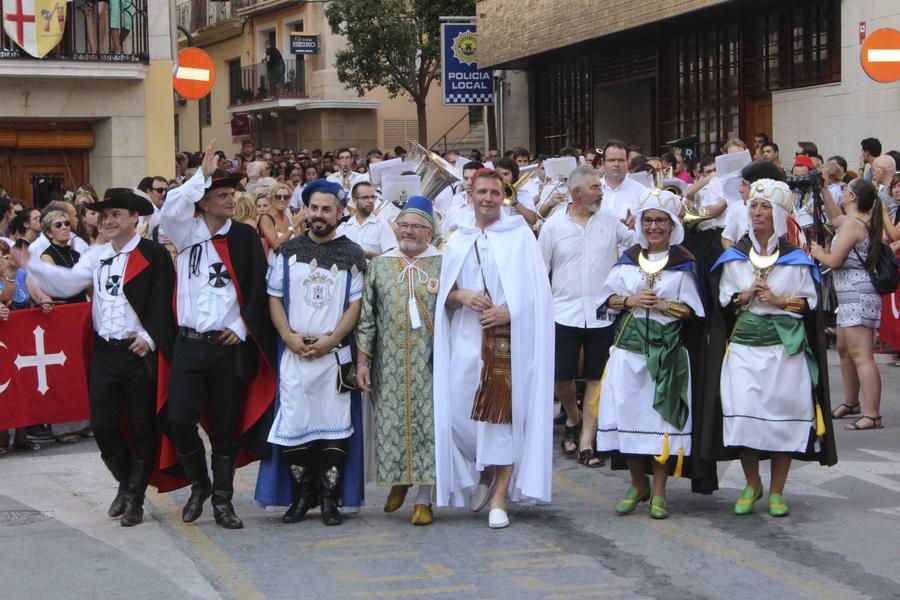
(212, 373)
(120, 377)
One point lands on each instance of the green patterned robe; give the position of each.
(401, 368)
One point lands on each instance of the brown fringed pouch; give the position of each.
(493, 401)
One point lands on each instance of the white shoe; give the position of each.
(349, 510)
(497, 519)
(481, 496)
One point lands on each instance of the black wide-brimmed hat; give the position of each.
(222, 179)
(126, 198)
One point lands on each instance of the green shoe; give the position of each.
(658, 508)
(777, 506)
(631, 500)
(747, 502)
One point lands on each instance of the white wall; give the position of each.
(837, 116)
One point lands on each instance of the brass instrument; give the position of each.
(694, 214)
(436, 174)
(511, 190)
(419, 155)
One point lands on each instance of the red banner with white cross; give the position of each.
(43, 365)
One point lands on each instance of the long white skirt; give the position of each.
(309, 406)
(627, 421)
(767, 401)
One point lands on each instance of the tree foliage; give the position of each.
(392, 43)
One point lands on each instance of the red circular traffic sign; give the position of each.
(195, 75)
(880, 55)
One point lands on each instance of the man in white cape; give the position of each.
(493, 275)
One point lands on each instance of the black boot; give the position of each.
(120, 467)
(303, 486)
(134, 497)
(331, 466)
(194, 465)
(223, 490)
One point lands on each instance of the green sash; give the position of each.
(667, 362)
(776, 330)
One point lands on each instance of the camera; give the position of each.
(812, 181)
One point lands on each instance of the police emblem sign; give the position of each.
(462, 81)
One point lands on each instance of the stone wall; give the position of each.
(513, 29)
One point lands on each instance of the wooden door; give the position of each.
(757, 117)
(22, 170)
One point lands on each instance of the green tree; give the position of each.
(393, 43)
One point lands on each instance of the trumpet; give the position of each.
(511, 190)
(694, 214)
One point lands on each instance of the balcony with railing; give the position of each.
(246, 8)
(91, 33)
(256, 84)
(196, 15)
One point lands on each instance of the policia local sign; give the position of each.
(463, 83)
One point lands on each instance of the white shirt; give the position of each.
(618, 201)
(737, 222)
(206, 299)
(112, 314)
(296, 201)
(456, 217)
(146, 224)
(42, 242)
(710, 196)
(578, 260)
(372, 235)
(354, 179)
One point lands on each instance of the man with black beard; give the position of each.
(315, 292)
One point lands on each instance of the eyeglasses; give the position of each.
(160, 190)
(413, 226)
(372, 197)
(660, 222)
(61, 224)
(282, 196)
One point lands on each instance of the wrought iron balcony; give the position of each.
(246, 8)
(91, 35)
(255, 83)
(196, 15)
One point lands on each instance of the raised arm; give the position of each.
(177, 213)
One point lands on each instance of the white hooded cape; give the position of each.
(527, 290)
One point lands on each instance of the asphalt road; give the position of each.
(841, 540)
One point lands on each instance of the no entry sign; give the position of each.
(195, 75)
(880, 55)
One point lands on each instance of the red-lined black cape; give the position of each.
(242, 253)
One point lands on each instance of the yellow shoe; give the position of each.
(395, 498)
(422, 515)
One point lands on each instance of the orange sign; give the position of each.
(195, 75)
(880, 55)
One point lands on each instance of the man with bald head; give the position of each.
(884, 168)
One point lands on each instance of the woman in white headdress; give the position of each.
(645, 410)
(769, 337)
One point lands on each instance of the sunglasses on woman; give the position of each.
(282, 196)
(61, 224)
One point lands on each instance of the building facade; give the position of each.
(89, 110)
(312, 109)
(651, 72)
